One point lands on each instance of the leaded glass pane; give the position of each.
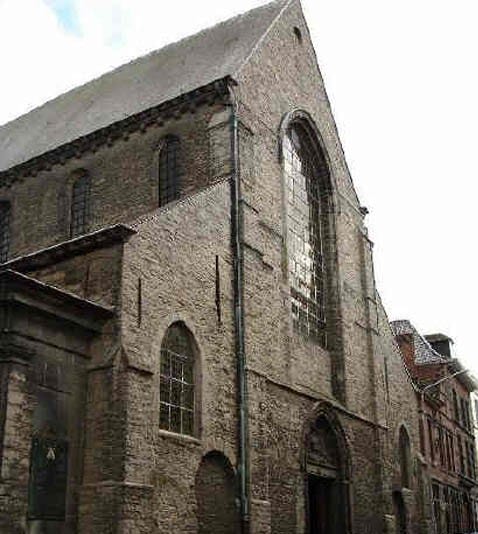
(177, 382)
(304, 169)
(169, 170)
(80, 211)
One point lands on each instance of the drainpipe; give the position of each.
(238, 267)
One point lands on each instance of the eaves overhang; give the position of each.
(466, 378)
(78, 246)
(120, 129)
(26, 295)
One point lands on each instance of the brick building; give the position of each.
(191, 337)
(446, 428)
(474, 413)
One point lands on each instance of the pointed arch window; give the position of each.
(177, 381)
(4, 230)
(169, 170)
(80, 205)
(306, 178)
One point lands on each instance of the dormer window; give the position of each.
(169, 170)
(4, 230)
(80, 205)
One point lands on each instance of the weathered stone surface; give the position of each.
(178, 266)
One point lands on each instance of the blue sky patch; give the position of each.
(66, 14)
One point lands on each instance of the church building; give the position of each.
(191, 338)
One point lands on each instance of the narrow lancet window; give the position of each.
(4, 230)
(176, 394)
(169, 170)
(306, 174)
(80, 206)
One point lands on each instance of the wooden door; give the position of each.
(320, 503)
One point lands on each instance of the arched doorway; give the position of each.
(215, 488)
(327, 491)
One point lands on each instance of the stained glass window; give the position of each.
(305, 172)
(169, 170)
(176, 393)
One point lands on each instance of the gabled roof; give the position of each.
(424, 352)
(148, 81)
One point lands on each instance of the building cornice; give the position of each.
(18, 291)
(78, 246)
(215, 91)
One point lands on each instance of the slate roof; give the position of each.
(148, 81)
(424, 353)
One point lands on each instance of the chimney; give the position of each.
(441, 343)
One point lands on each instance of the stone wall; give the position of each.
(140, 478)
(124, 182)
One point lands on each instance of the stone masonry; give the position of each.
(314, 445)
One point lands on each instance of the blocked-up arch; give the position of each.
(216, 496)
(405, 458)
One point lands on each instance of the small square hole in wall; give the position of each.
(298, 34)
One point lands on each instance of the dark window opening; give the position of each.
(4, 231)
(169, 170)
(80, 206)
(298, 34)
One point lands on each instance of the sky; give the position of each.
(402, 80)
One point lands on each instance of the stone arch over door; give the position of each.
(327, 477)
(215, 488)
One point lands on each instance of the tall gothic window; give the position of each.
(306, 177)
(4, 230)
(80, 205)
(177, 394)
(169, 170)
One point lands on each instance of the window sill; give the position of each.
(178, 437)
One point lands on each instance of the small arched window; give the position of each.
(80, 205)
(177, 388)
(4, 230)
(405, 458)
(307, 176)
(169, 170)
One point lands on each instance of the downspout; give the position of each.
(238, 268)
